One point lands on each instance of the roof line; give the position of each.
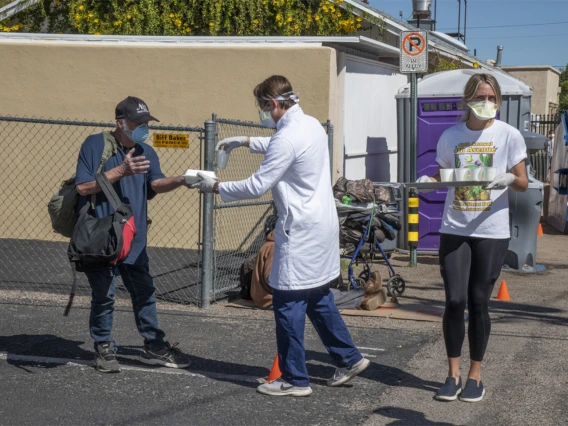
(364, 43)
(15, 7)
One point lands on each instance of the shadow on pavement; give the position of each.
(509, 310)
(50, 346)
(384, 374)
(405, 417)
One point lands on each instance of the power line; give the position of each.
(527, 36)
(510, 26)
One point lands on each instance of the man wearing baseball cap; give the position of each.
(134, 170)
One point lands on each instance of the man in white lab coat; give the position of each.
(306, 253)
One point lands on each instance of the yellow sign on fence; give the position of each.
(171, 140)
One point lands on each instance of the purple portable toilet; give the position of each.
(440, 106)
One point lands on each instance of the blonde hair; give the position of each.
(471, 89)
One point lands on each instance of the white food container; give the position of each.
(191, 176)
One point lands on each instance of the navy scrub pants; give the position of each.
(290, 309)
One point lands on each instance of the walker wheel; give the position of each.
(360, 282)
(365, 275)
(395, 286)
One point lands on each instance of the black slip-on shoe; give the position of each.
(472, 392)
(450, 390)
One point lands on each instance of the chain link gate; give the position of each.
(237, 227)
(38, 154)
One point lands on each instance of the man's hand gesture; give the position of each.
(134, 165)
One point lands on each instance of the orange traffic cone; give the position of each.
(275, 372)
(539, 232)
(503, 292)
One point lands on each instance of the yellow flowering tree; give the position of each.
(197, 17)
(443, 64)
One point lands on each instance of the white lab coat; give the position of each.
(296, 168)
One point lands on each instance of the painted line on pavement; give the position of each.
(371, 349)
(163, 370)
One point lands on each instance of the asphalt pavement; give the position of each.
(47, 379)
(46, 376)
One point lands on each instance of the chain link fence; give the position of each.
(196, 243)
(38, 154)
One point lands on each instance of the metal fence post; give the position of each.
(208, 220)
(330, 147)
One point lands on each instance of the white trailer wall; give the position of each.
(369, 119)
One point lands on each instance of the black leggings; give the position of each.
(469, 267)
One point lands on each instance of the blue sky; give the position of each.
(522, 45)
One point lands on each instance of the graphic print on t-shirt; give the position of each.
(472, 156)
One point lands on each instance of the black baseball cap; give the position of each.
(135, 109)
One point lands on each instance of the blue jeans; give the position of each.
(290, 309)
(140, 285)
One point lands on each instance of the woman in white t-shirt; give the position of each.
(475, 228)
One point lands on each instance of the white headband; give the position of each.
(291, 97)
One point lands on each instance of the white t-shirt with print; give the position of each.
(474, 211)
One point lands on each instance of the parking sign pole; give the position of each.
(413, 60)
(413, 125)
(413, 145)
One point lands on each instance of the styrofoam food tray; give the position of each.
(191, 175)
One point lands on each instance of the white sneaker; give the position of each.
(281, 387)
(344, 374)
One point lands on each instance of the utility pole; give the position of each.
(435, 14)
(465, 22)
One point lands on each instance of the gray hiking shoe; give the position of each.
(170, 356)
(105, 359)
(343, 375)
(280, 387)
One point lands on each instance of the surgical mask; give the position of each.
(266, 119)
(138, 135)
(484, 110)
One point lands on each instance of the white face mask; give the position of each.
(484, 110)
(266, 119)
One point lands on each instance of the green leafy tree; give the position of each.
(563, 104)
(194, 17)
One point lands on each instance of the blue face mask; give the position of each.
(139, 134)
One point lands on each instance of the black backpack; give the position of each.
(98, 244)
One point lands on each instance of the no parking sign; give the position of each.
(414, 51)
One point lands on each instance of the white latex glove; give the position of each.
(228, 144)
(206, 183)
(502, 181)
(424, 179)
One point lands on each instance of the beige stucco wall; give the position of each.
(183, 85)
(545, 82)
